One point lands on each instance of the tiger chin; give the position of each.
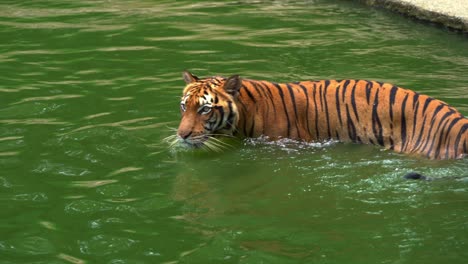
(361, 111)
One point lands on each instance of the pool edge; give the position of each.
(457, 21)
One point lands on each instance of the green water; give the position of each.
(88, 90)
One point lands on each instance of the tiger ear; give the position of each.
(189, 78)
(232, 85)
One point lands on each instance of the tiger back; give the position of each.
(360, 111)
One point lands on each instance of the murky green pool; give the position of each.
(89, 89)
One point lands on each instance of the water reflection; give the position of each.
(318, 185)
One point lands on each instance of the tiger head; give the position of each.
(208, 110)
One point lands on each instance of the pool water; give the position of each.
(90, 89)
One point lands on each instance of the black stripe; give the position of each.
(368, 91)
(326, 108)
(403, 123)
(415, 100)
(262, 94)
(353, 101)
(351, 127)
(421, 132)
(457, 141)
(449, 128)
(448, 131)
(280, 91)
(249, 93)
(258, 90)
(393, 92)
(326, 84)
(376, 124)
(320, 94)
(437, 110)
(307, 105)
(440, 134)
(337, 104)
(316, 111)
(415, 117)
(345, 87)
(465, 147)
(221, 118)
(443, 120)
(426, 104)
(231, 116)
(447, 146)
(438, 131)
(434, 115)
(244, 120)
(293, 100)
(269, 95)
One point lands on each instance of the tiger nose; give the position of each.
(184, 134)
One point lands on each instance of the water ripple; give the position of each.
(120, 124)
(46, 166)
(103, 245)
(9, 153)
(97, 115)
(84, 206)
(33, 121)
(41, 25)
(92, 184)
(48, 98)
(5, 183)
(71, 259)
(18, 89)
(49, 225)
(124, 170)
(28, 246)
(126, 48)
(120, 98)
(11, 138)
(31, 197)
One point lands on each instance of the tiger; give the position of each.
(360, 111)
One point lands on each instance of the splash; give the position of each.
(288, 144)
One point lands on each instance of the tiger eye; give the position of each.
(205, 110)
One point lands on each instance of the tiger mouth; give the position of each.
(194, 143)
(205, 142)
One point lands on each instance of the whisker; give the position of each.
(206, 142)
(220, 142)
(213, 146)
(220, 135)
(173, 129)
(170, 138)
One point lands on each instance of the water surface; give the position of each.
(90, 88)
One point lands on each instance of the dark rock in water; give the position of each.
(415, 176)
